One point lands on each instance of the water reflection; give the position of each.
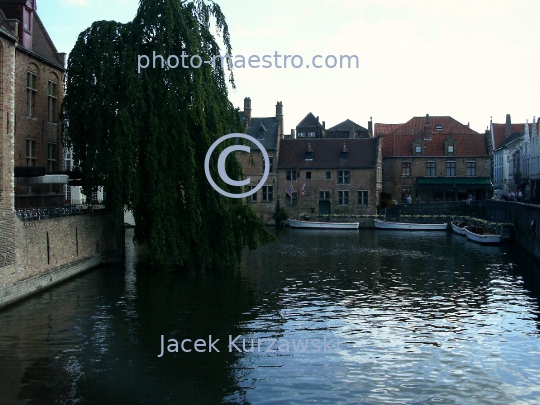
(421, 318)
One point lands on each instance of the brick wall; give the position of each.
(38, 127)
(57, 247)
(360, 179)
(264, 209)
(393, 181)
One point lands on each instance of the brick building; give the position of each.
(268, 131)
(38, 80)
(434, 158)
(330, 176)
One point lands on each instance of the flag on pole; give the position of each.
(290, 191)
(303, 190)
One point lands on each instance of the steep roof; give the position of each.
(42, 43)
(265, 130)
(384, 129)
(310, 120)
(347, 125)
(327, 153)
(447, 124)
(515, 136)
(465, 145)
(499, 132)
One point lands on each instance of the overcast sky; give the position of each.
(462, 58)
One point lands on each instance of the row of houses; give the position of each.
(345, 169)
(351, 170)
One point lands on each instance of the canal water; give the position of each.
(320, 317)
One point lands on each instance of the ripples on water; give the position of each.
(421, 318)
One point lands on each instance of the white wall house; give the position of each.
(505, 158)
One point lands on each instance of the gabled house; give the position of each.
(268, 131)
(319, 177)
(512, 160)
(348, 129)
(310, 127)
(434, 158)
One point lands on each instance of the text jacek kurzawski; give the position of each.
(239, 344)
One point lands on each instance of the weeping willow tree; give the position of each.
(144, 135)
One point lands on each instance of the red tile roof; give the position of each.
(327, 152)
(417, 125)
(465, 145)
(499, 131)
(384, 129)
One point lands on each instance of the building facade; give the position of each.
(323, 177)
(39, 71)
(268, 131)
(514, 151)
(434, 159)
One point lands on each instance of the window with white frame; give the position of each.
(52, 100)
(343, 197)
(30, 152)
(363, 197)
(268, 193)
(344, 177)
(324, 195)
(51, 157)
(31, 91)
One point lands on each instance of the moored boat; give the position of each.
(459, 227)
(410, 226)
(294, 223)
(482, 235)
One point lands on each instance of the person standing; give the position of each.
(519, 196)
(408, 199)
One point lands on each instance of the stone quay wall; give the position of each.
(35, 255)
(524, 218)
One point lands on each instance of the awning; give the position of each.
(47, 179)
(454, 182)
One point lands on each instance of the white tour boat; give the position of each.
(294, 223)
(481, 235)
(410, 226)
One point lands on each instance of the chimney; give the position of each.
(370, 127)
(279, 116)
(293, 134)
(324, 124)
(427, 129)
(247, 113)
(508, 127)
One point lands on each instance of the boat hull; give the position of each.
(459, 230)
(294, 223)
(486, 239)
(410, 226)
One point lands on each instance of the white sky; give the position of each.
(470, 59)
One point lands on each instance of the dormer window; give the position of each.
(450, 148)
(344, 155)
(309, 152)
(418, 149)
(311, 134)
(261, 130)
(438, 127)
(301, 134)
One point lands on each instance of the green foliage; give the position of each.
(145, 136)
(279, 214)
